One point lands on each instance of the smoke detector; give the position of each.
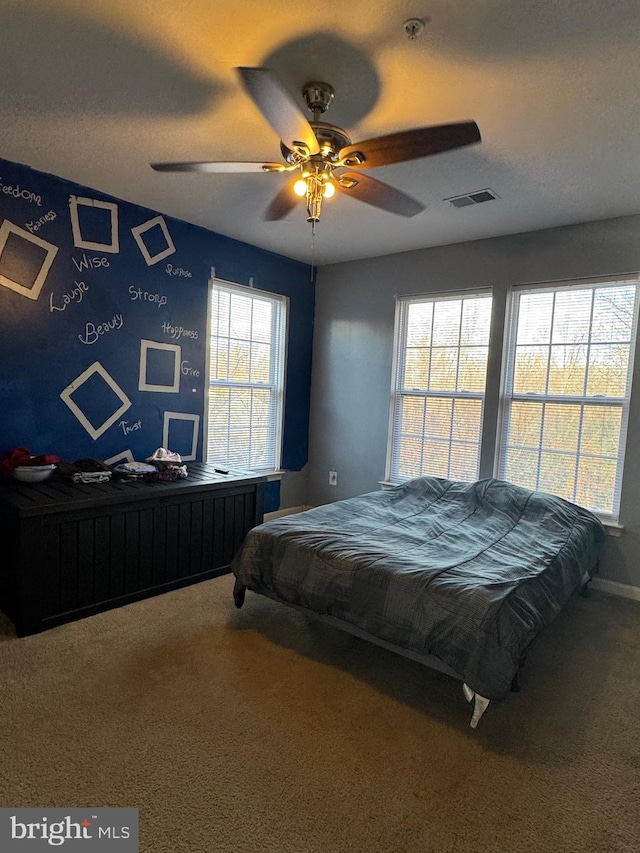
(413, 28)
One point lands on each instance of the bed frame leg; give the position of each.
(585, 592)
(480, 704)
(239, 591)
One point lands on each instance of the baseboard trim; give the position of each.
(624, 590)
(280, 513)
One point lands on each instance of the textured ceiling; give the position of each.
(95, 91)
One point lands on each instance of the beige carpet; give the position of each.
(257, 730)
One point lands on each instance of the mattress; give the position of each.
(467, 572)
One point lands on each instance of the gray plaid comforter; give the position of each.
(468, 572)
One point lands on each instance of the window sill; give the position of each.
(273, 475)
(612, 528)
(269, 473)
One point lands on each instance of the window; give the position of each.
(567, 381)
(441, 351)
(246, 377)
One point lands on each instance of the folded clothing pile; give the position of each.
(86, 470)
(92, 477)
(169, 465)
(136, 471)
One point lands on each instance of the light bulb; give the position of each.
(329, 190)
(300, 187)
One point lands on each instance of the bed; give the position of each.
(462, 576)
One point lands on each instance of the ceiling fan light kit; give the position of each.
(323, 153)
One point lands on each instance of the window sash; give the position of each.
(245, 411)
(573, 460)
(435, 430)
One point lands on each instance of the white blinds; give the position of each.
(568, 367)
(438, 396)
(246, 377)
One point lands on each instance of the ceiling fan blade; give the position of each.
(409, 144)
(279, 109)
(371, 191)
(224, 166)
(285, 201)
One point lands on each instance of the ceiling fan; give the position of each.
(324, 155)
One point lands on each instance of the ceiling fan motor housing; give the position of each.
(318, 96)
(331, 140)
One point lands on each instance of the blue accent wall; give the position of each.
(103, 324)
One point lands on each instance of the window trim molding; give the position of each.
(435, 296)
(248, 290)
(492, 429)
(611, 520)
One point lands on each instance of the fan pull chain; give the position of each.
(313, 249)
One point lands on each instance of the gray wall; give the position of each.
(293, 488)
(353, 342)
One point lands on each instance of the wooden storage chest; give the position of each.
(72, 550)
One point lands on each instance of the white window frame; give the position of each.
(276, 381)
(507, 396)
(399, 360)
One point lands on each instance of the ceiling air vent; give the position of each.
(472, 198)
